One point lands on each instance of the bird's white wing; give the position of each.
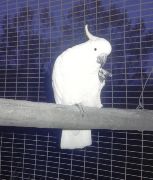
(68, 89)
(75, 82)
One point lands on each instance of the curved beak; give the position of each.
(101, 59)
(103, 74)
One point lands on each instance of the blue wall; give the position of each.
(32, 34)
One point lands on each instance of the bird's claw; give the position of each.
(103, 74)
(80, 107)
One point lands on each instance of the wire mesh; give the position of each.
(32, 34)
(113, 155)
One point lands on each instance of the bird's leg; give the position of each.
(101, 59)
(103, 74)
(80, 107)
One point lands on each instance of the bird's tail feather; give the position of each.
(75, 139)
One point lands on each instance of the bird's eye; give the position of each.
(95, 49)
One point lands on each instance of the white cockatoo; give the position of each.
(78, 78)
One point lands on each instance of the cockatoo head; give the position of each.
(100, 47)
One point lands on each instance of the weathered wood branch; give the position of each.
(46, 115)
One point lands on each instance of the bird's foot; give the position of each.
(103, 74)
(80, 107)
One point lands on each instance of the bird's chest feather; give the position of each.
(77, 82)
(80, 71)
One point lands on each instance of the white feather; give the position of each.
(75, 81)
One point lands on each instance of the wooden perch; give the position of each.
(46, 115)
